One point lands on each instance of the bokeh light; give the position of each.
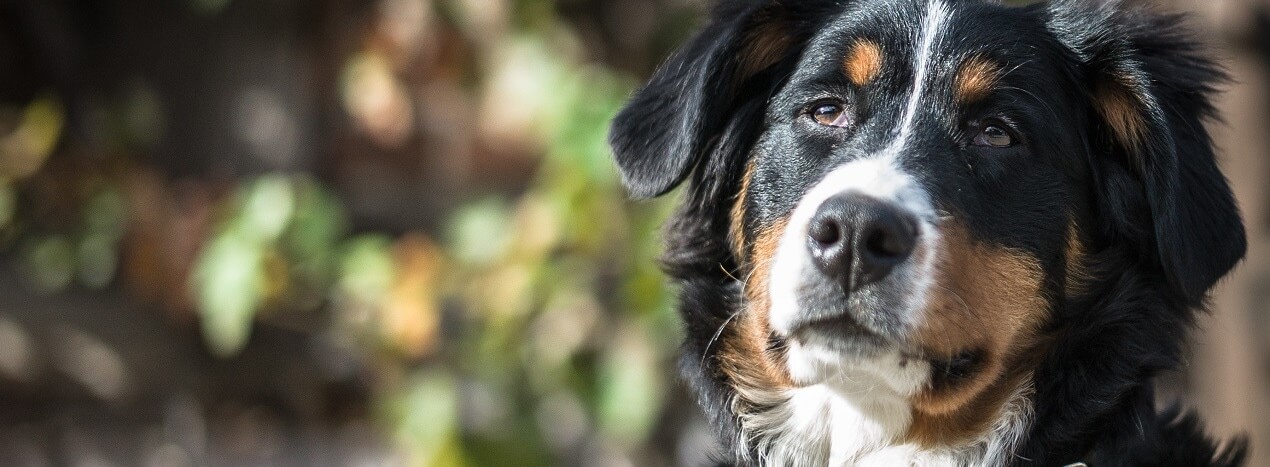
(363, 233)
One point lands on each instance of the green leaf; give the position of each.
(24, 150)
(318, 226)
(8, 203)
(481, 232)
(229, 284)
(50, 263)
(98, 260)
(267, 207)
(367, 269)
(630, 387)
(106, 214)
(425, 418)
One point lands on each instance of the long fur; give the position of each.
(1158, 227)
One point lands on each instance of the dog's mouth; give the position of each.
(850, 340)
(837, 328)
(842, 334)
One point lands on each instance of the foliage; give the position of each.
(532, 326)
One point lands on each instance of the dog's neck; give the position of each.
(857, 423)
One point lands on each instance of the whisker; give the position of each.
(1038, 100)
(705, 352)
(727, 272)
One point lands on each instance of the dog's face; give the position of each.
(904, 215)
(911, 193)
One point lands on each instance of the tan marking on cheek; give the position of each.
(966, 424)
(744, 355)
(736, 233)
(863, 62)
(976, 79)
(762, 256)
(988, 300)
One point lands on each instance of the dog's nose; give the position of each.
(856, 239)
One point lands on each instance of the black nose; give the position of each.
(856, 239)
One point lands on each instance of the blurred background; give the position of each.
(388, 232)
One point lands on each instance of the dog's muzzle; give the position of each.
(852, 269)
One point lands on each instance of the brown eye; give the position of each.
(994, 136)
(831, 115)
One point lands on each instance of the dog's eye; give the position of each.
(831, 115)
(994, 136)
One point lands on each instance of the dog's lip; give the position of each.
(839, 328)
(842, 324)
(843, 327)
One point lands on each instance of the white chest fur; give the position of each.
(823, 426)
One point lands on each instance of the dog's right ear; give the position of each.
(1152, 90)
(665, 129)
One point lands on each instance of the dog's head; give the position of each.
(912, 193)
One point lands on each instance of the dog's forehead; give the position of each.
(902, 30)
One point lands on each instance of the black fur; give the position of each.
(1159, 220)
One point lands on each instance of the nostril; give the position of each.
(883, 245)
(890, 240)
(829, 239)
(825, 232)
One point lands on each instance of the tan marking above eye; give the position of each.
(976, 78)
(863, 62)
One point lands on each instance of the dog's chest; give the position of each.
(815, 426)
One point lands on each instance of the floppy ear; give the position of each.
(665, 129)
(1151, 93)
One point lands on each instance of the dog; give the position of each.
(938, 232)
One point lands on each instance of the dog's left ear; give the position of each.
(1151, 88)
(666, 128)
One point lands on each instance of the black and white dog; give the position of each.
(938, 232)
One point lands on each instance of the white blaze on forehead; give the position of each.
(937, 16)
